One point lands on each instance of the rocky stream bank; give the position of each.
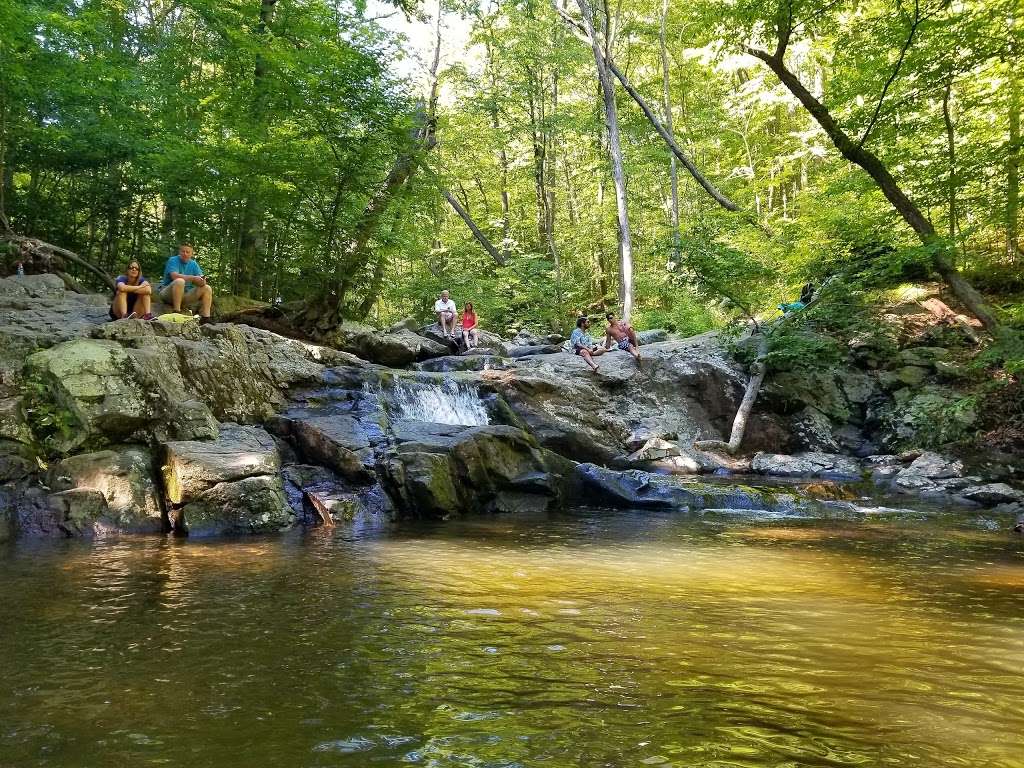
(146, 427)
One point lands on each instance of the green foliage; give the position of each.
(796, 349)
(128, 127)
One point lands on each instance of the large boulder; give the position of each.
(124, 478)
(808, 464)
(229, 485)
(191, 467)
(46, 286)
(398, 347)
(88, 392)
(934, 475)
(652, 336)
(634, 489)
(440, 470)
(343, 442)
(991, 494)
(36, 313)
(250, 505)
(164, 381)
(688, 389)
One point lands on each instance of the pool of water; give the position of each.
(584, 639)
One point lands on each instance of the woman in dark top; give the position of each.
(132, 297)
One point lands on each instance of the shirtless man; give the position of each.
(622, 334)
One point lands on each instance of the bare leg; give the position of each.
(143, 304)
(120, 305)
(207, 301)
(635, 352)
(177, 293)
(588, 357)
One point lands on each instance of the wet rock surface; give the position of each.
(226, 429)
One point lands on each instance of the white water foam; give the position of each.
(448, 402)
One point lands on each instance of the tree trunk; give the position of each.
(758, 369)
(1013, 154)
(947, 119)
(618, 172)
(494, 253)
(673, 174)
(687, 163)
(5, 224)
(327, 309)
(876, 169)
(252, 248)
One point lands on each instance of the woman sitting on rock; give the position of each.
(470, 334)
(132, 297)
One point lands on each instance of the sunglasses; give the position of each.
(133, 268)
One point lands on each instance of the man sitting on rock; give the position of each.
(184, 283)
(445, 309)
(583, 345)
(622, 334)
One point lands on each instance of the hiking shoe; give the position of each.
(205, 320)
(149, 316)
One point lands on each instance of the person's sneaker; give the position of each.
(205, 320)
(149, 316)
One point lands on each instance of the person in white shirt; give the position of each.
(445, 309)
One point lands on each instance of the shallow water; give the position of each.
(586, 639)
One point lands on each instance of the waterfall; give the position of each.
(446, 402)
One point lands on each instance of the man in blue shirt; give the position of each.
(184, 284)
(583, 345)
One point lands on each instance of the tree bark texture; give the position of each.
(673, 173)
(618, 171)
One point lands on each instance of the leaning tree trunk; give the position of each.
(327, 309)
(666, 135)
(666, 98)
(615, 154)
(854, 151)
(61, 253)
(758, 369)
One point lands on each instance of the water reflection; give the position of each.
(576, 640)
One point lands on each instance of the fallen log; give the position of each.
(49, 249)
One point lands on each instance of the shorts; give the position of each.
(190, 296)
(624, 344)
(578, 350)
(132, 298)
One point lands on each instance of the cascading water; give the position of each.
(446, 402)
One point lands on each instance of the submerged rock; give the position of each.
(452, 469)
(125, 480)
(991, 494)
(634, 489)
(229, 485)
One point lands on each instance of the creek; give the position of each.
(582, 638)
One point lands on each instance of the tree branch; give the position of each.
(667, 137)
(895, 72)
(481, 238)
